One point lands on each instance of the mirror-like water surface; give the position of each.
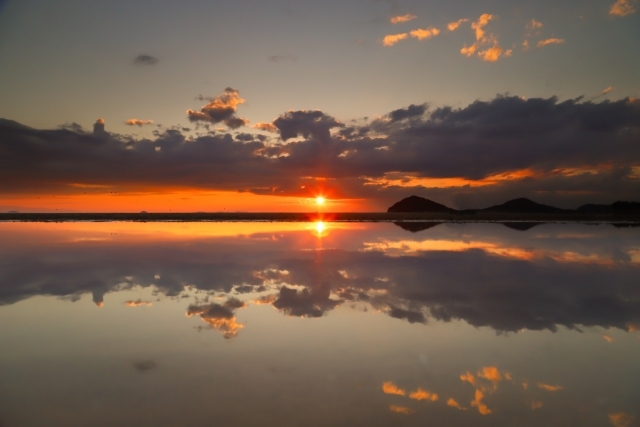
(318, 324)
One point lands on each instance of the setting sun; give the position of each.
(320, 200)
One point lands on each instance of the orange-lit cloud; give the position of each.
(479, 25)
(401, 409)
(426, 33)
(402, 18)
(392, 39)
(525, 45)
(421, 394)
(533, 25)
(552, 40)
(622, 8)
(607, 338)
(138, 303)
(221, 108)
(468, 377)
(219, 317)
(454, 404)
(492, 374)
(535, 405)
(268, 127)
(138, 122)
(265, 300)
(607, 90)
(621, 419)
(549, 387)
(390, 388)
(492, 54)
(477, 402)
(452, 26)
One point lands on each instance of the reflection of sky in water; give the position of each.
(332, 324)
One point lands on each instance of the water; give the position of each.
(342, 324)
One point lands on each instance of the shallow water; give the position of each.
(171, 324)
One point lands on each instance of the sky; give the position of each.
(262, 106)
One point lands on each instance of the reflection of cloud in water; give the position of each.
(144, 365)
(401, 409)
(219, 317)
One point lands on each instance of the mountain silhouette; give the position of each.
(419, 204)
(523, 205)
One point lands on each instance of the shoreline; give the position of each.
(318, 216)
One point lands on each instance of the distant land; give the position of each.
(519, 214)
(515, 206)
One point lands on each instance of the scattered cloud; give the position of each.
(144, 59)
(454, 404)
(219, 317)
(621, 419)
(421, 394)
(478, 403)
(267, 127)
(98, 127)
(552, 40)
(492, 50)
(607, 90)
(391, 39)
(535, 404)
(138, 303)
(402, 18)
(622, 8)
(607, 338)
(422, 34)
(138, 122)
(534, 25)
(452, 26)
(401, 409)
(390, 388)
(221, 108)
(491, 55)
(549, 387)
(491, 373)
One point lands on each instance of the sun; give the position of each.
(320, 200)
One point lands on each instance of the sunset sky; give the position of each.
(254, 105)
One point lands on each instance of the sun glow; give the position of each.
(320, 200)
(320, 227)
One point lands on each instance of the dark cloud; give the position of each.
(312, 124)
(144, 365)
(144, 59)
(411, 111)
(98, 127)
(567, 153)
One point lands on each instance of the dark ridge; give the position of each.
(5, 123)
(626, 225)
(624, 207)
(419, 204)
(414, 227)
(523, 205)
(595, 209)
(521, 226)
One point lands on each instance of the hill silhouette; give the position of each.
(523, 205)
(419, 204)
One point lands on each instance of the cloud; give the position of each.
(280, 58)
(401, 409)
(138, 303)
(568, 152)
(144, 365)
(452, 26)
(391, 39)
(552, 40)
(422, 34)
(390, 388)
(621, 419)
(534, 25)
(454, 404)
(421, 394)
(402, 18)
(138, 122)
(98, 127)
(267, 127)
(221, 108)
(549, 387)
(307, 123)
(607, 90)
(622, 8)
(478, 403)
(492, 51)
(144, 59)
